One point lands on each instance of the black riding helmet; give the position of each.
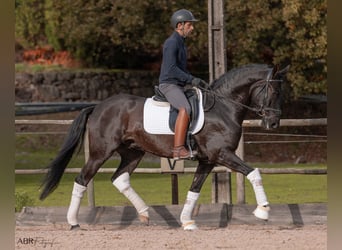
(180, 16)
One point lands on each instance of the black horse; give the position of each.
(116, 125)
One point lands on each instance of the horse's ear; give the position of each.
(284, 70)
(275, 70)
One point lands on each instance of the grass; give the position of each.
(155, 189)
(34, 68)
(37, 68)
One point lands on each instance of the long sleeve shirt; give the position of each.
(173, 68)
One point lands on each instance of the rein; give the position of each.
(261, 111)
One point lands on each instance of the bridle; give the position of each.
(262, 110)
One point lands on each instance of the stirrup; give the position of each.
(177, 153)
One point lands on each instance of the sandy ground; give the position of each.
(158, 237)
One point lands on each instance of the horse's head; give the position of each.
(266, 97)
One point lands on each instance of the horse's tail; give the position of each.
(58, 165)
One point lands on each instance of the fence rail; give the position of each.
(246, 123)
(112, 170)
(221, 184)
(187, 170)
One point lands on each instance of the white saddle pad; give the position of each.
(156, 117)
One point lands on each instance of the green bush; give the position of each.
(129, 34)
(22, 199)
(30, 22)
(282, 32)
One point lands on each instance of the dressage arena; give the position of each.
(221, 226)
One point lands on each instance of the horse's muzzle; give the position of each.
(270, 123)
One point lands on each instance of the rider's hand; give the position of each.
(197, 82)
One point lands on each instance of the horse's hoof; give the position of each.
(75, 227)
(190, 226)
(144, 219)
(262, 212)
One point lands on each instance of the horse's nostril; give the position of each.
(270, 124)
(274, 125)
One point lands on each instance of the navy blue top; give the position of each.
(173, 67)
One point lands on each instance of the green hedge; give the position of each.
(129, 34)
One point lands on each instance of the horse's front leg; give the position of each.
(232, 161)
(202, 172)
(263, 208)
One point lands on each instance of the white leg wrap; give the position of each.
(262, 209)
(187, 222)
(256, 181)
(122, 183)
(75, 203)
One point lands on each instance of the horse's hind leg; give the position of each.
(202, 172)
(121, 180)
(80, 186)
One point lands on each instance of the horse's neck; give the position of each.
(234, 95)
(234, 100)
(234, 92)
(230, 108)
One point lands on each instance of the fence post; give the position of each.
(221, 185)
(173, 167)
(90, 187)
(221, 188)
(240, 178)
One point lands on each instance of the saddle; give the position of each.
(193, 100)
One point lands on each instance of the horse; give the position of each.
(116, 125)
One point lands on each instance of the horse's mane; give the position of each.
(237, 76)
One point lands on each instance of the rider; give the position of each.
(174, 76)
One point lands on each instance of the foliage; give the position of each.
(22, 199)
(306, 23)
(282, 32)
(129, 34)
(30, 22)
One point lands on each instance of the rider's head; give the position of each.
(182, 21)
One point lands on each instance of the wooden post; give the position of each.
(90, 187)
(240, 178)
(221, 188)
(173, 167)
(216, 39)
(174, 184)
(221, 184)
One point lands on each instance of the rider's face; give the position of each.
(185, 28)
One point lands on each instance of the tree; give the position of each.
(281, 32)
(30, 22)
(130, 33)
(305, 45)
